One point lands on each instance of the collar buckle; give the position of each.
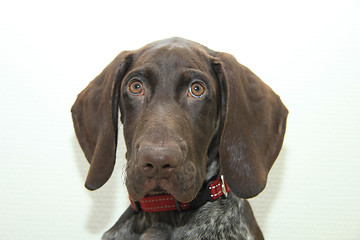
(225, 193)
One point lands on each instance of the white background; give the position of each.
(307, 51)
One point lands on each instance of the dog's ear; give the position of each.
(253, 125)
(95, 118)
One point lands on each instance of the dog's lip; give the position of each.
(157, 191)
(155, 187)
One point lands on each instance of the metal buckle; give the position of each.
(225, 193)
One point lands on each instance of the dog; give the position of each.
(201, 131)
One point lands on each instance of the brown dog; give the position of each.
(192, 117)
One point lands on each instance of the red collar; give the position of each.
(160, 203)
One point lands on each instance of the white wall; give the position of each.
(307, 51)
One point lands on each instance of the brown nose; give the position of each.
(158, 162)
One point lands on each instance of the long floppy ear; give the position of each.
(253, 127)
(95, 118)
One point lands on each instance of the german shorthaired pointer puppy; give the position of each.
(201, 130)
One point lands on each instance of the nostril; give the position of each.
(148, 167)
(166, 166)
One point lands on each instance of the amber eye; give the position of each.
(136, 88)
(197, 90)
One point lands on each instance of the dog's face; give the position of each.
(170, 112)
(180, 101)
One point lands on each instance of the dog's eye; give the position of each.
(197, 90)
(136, 88)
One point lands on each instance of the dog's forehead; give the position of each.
(172, 43)
(172, 55)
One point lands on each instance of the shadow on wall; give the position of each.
(262, 204)
(104, 200)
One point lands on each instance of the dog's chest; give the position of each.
(223, 219)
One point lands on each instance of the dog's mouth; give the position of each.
(153, 188)
(168, 189)
(149, 187)
(157, 191)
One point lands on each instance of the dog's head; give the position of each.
(181, 104)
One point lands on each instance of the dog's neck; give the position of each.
(213, 162)
(212, 169)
